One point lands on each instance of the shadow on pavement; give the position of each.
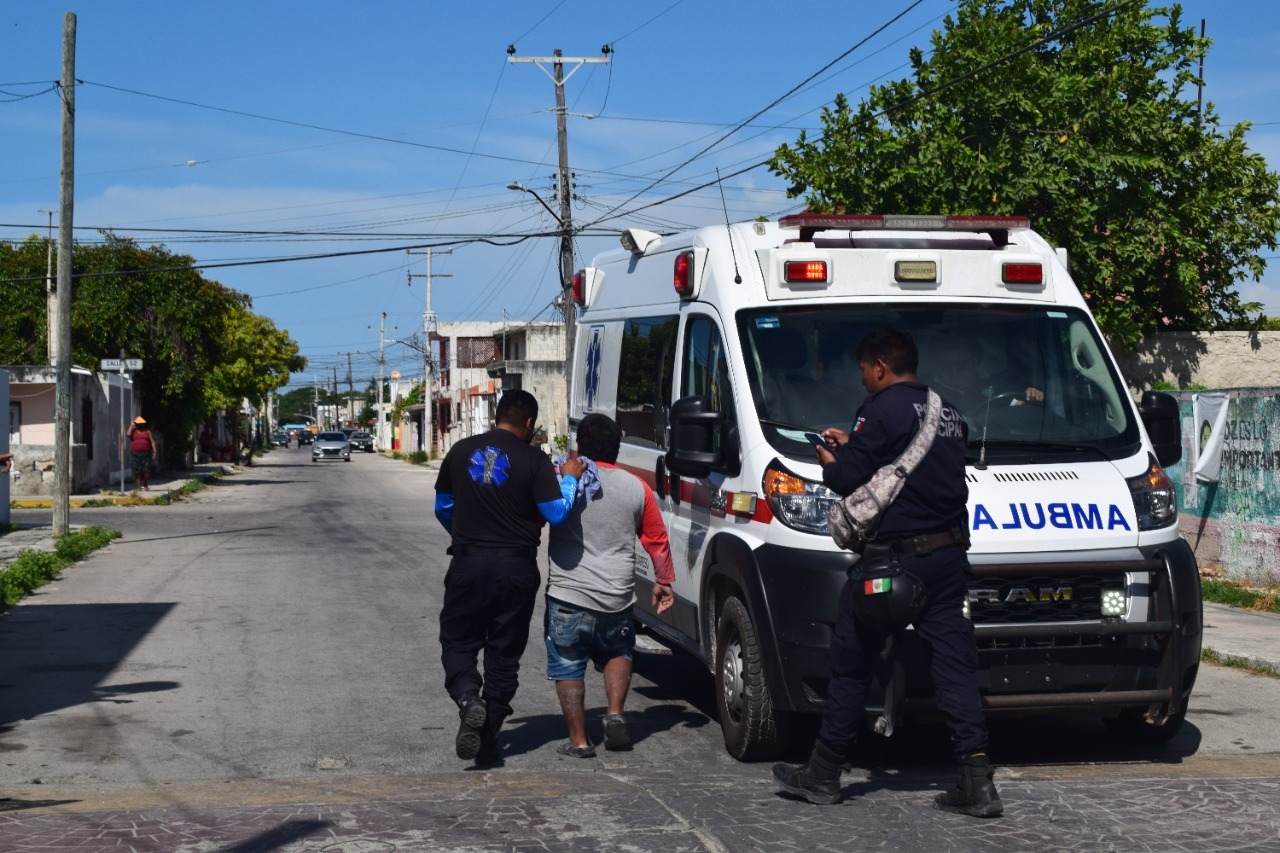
(55, 656)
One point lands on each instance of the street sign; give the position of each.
(121, 364)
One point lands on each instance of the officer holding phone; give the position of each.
(926, 529)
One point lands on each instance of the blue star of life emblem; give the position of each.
(489, 467)
(594, 354)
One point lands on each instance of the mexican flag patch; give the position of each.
(877, 585)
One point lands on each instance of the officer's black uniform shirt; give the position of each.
(934, 496)
(497, 481)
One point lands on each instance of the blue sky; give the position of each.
(397, 118)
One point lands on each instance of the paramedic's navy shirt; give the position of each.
(934, 496)
(497, 482)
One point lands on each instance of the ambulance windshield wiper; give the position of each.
(1056, 446)
(787, 426)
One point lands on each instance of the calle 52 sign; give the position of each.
(121, 364)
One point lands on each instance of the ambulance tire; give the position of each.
(1131, 727)
(753, 729)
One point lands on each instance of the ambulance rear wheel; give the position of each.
(753, 728)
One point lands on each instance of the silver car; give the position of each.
(331, 445)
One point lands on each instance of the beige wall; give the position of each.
(1211, 360)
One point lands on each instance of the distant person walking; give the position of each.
(142, 445)
(592, 580)
(493, 495)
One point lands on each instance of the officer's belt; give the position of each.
(494, 551)
(917, 546)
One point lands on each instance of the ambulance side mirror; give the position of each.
(1160, 416)
(701, 439)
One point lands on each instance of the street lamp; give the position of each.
(566, 269)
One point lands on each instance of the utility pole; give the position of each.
(351, 391)
(382, 344)
(335, 397)
(428, 327)
(62, 360)
(564, 190)
(51, 295)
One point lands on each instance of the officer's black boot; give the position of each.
(975, 794)
(818, 781)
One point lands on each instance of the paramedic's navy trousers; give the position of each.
(488, 604)
(855, 649)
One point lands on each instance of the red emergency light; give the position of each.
(683, 274)
(996, 226)
(805, 272)
(1023, 273)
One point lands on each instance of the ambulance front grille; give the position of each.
(996, 600)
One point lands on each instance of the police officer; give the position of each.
(926, 529)
(493, 494)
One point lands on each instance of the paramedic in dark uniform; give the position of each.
(926, 528)
(493, 494)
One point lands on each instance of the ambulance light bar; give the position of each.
(998, 227)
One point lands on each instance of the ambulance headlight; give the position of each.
(1154, 500)
(796, 502)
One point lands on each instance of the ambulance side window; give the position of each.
(645, 370)
(706, 370)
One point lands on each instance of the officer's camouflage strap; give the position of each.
(852, 520)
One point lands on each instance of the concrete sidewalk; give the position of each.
(1246, 634)
(39, 537)
(165, 483)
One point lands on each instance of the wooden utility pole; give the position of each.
(428, 327)
(62, 398)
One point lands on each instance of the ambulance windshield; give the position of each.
(1035, 376)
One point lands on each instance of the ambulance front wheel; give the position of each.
(753, 727)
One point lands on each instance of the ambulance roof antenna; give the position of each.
(981, 464)
(737, 277)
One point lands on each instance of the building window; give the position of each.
(477, 352)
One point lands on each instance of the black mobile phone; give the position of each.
(817, 441)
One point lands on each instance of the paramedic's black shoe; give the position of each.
(471, 713)
(616, 736)
(975, 793)
(818, 781)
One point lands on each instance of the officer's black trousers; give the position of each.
(488, 604)
(855, 649)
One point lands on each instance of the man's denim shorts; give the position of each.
(578, 634)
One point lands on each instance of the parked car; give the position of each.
(306, 437)
(331, 445)
(361, 441)
(279, 438)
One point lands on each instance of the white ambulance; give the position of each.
(717, 349)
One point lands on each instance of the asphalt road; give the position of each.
(276, 632)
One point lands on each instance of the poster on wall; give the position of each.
(1210, 417)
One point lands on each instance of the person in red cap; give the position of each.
(143, 447)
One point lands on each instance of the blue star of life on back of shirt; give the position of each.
(489, 467)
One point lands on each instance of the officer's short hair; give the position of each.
(599, 438)
(516, 407)
(894, 347)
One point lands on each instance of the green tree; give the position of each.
(257, 358)
(1093, 132)
(153, 305)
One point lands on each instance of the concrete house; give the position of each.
(102, 404)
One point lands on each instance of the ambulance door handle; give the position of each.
(660, 477)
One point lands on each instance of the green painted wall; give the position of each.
(1236, 522)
